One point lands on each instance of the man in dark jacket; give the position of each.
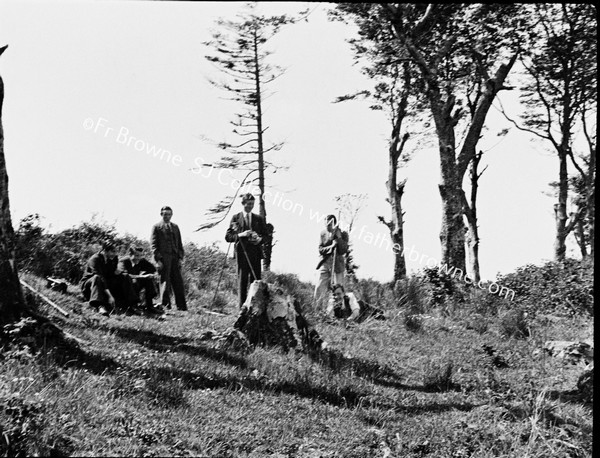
(168, 254)
(247, 230)
(103, 285)
(141, 271)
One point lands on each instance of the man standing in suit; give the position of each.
(168, 254)
(141, 271)
(247, 230)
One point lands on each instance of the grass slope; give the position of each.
(140, 386)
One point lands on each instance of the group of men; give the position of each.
(112, 285)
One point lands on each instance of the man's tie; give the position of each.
(247, 218)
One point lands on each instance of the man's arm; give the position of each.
(123, 267)
(330, 306)
(96, 267)
(354, 306)
(155, 243)
(232, 231)
(147, 267)
(325, 246)
(180, 251)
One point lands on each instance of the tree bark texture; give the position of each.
(11, 296)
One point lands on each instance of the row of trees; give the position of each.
(448, 63)
(445, 64)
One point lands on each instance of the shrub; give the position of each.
(374, 292)
(292, 285)
(478, 323)
(63, 254)
(563, 288)
(441, 285)
(514, 324)
(412, 321)
(202, 269)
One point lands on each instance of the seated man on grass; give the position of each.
(346, 306)
(142, 273)
(105, 287)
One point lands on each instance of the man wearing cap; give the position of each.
(247, 230)
(168, 253)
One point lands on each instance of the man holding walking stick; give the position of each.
(333, 245)
(247, 231)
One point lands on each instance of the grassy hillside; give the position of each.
(418, 384)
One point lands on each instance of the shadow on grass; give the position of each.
(162, 343)
(373, 371)
(69, 355)
(333, 359)
(344, 397)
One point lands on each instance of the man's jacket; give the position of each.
(143, 266)
(99, 265)
(166, 243)
(257, 223)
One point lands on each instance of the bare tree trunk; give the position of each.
(472, 229)
(396, 189)
(11, 296)
(452, 232)
(268, 242)
(396, 226)
(398, 234)
(591, 201)
(560, 208)
(580, 237)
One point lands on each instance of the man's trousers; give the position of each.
(246, 275)
(170, 278)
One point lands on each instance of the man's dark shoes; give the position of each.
(155, 310)
(102, 311)
(133, 310)
(183, 308)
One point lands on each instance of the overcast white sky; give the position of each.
(82, 78)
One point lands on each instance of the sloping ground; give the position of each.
(143, 386)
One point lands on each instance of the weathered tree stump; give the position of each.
(270, 317)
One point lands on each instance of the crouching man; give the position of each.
(104, 286)
(142, 273)
(347, 307)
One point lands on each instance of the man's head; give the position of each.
(136, 253)
(330, 222)
(166, 212)
(109, 249)
(338, 292)
(248, 202)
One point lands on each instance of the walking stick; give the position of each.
(248, 260)
(332, 282)
(220, 276)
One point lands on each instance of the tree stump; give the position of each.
(270, 317)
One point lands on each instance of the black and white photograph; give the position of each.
(297, 229)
